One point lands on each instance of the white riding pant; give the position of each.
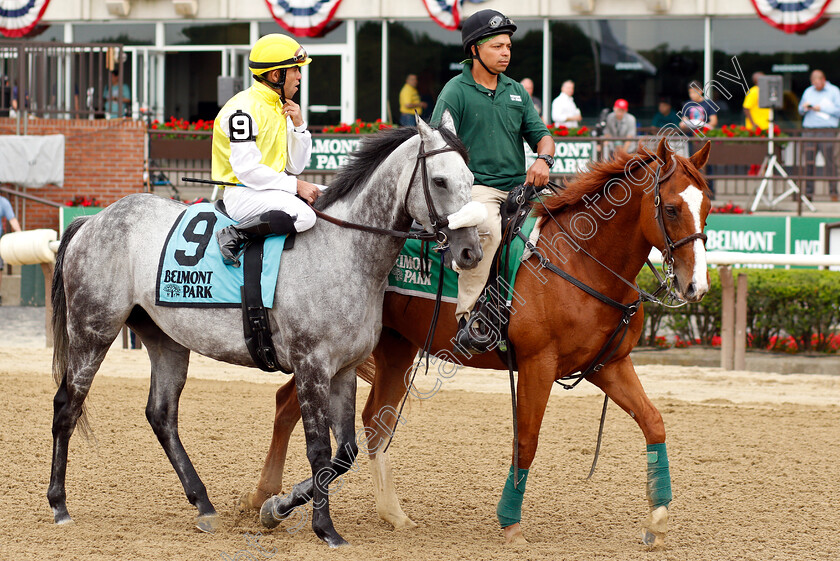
(244, 202)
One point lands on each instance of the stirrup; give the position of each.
(470, 339)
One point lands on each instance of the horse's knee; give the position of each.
(158, 417)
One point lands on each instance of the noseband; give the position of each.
(670, 246)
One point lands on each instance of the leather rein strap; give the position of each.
(438, 222)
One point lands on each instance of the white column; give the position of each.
(707, 50)
(546, 89)
(383, 90)
(135, 103)
(348, 75)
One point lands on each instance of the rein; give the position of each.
(437, 222)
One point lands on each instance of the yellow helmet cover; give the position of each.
(276, 51)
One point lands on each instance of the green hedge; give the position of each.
(802, 303)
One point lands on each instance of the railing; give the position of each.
(60, 80)
(736, 165)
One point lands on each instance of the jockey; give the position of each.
(260, 140)
(493, 116)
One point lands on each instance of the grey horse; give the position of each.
(326, 319)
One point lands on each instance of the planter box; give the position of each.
(180, 149)
(728, 153)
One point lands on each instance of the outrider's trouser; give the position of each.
(471, 282)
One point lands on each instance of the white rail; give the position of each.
(736, 258)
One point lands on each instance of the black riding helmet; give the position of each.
(485, 23)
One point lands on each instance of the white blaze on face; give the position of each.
(693, 197)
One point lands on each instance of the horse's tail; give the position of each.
(61, 341)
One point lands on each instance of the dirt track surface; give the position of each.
(754, 461)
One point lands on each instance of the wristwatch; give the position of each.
(548, 159)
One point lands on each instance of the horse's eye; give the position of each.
(670, 211)
(439, 182)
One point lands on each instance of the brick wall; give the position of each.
(102, 159)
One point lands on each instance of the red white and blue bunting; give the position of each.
(447, 13)
(18, 17)
(304, 18)
(791, 16)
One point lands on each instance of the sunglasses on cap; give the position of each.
(496, 21)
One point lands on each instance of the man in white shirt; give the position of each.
(564, 112)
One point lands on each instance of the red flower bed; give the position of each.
(566, 131)
(359, 127)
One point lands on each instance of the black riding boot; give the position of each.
(233, 238)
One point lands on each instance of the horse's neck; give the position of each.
(379, 203)
(618, 243)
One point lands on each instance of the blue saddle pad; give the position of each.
(191, 271)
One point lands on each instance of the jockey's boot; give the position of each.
(470, 339)
(233, 238)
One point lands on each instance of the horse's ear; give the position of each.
(425, 130)
(663, 151)
(447, 121)
(699, 158)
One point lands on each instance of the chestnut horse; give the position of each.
(616, 212)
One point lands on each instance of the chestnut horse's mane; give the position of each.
(600, 173)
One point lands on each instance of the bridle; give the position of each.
(437, 221)
(669, 246)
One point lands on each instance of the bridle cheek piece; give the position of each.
(669, 246)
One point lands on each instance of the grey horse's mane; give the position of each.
(371, 153)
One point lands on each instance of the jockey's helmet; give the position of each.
(274, 51)
(484, 23)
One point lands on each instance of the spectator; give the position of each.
(410, 101)
(117, 100)
(754, 115)
(620, 124)
(820, 106)
(528, 84)
(665, 115)
(7, 212)
(564, 112)
(698, 112)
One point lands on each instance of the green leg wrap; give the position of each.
(658, 476)
(509, 509)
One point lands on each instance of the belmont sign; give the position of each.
(792, 235)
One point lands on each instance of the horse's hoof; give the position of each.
(335, 541)
(249, 501)
(61, 516)
(67, 521)
(272, 512)
(655, 528)
(401, 522)
(208, 523)
(514, 536)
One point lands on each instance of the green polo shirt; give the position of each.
(492, 126)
